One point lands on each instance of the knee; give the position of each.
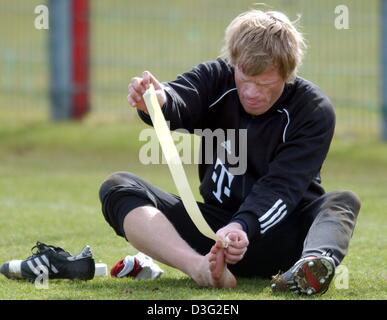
(351, 200)
(115, 179)
(107, 184)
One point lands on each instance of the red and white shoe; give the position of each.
(139, 267)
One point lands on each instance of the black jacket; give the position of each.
(286, 146)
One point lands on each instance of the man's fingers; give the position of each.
(137, 84)
(232, 236)
(236, 251)
(237, 241)
(149, 78)
(240, 244)
(136, 97)
(136, 90)
(131, 101)
(146, 79)
(141, 84)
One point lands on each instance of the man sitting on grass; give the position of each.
(276, 214)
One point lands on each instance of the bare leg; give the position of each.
(148, 230)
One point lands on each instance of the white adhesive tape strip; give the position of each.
(174, 163)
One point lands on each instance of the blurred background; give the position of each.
(65, 125)
(168, 37)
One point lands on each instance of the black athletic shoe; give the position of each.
(311, 275)
(54, 261)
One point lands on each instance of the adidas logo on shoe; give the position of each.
(311, 275)
(59, 264)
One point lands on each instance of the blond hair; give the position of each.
(255, 40)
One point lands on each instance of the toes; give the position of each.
(214, 272)
(212, 266)
(218, 244)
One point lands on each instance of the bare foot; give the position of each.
(213, 271)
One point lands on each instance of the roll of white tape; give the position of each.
(101, 270)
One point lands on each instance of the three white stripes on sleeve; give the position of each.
(273, 216)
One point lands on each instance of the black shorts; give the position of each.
(123, 192)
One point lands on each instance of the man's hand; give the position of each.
(237, 240)
(138, 86)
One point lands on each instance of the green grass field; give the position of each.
(49, 180)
